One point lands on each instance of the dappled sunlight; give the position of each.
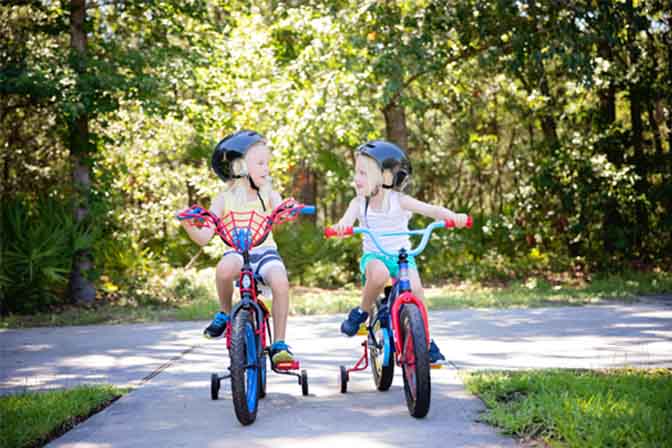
(336, 440)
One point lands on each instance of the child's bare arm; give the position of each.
(349, 217)
(432, 211)
(275, 199)
(203, 235)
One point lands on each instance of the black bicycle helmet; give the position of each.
(229, 149)
(389, 156)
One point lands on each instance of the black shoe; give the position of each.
(217, 326)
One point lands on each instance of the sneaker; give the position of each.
(217, 326)
(280, 352)
(356, 317)
(435, 354)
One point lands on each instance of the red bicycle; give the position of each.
(248, 331)
(398, 328)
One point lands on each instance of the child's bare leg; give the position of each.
(377, 276)
(416, 284)
(228, 269)
(276, 277)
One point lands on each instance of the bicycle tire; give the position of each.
(244, 367)
(415, 361)
(383, 375)
(262, 376)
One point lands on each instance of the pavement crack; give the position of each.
(164, 366)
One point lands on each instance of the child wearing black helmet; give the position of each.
(241, 161)
(382, 170)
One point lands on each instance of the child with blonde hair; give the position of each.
(382, 170)
(241, 160)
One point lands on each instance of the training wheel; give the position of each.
(343, 377)
(304, 382)
(214, 386)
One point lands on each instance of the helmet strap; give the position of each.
(366, 208)
(255, 187)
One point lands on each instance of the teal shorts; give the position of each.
(390, 263)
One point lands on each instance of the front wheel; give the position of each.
(262, 376)
(245, 369)
(415, 361)
(380, 354)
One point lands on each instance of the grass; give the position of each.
(194, 299)
(569, 408)
(34, 418)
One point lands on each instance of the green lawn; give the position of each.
(196, 301)
(569, 408)
(34, 418)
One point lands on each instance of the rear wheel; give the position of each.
(244, 368)
(382, 362)
(415, 361)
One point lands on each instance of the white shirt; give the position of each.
(395, 219)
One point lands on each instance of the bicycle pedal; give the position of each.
(289, 365)
(362, 331)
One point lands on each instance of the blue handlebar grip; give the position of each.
(308, 210)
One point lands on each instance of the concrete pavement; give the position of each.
(170, 365)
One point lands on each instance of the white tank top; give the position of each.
(393, 220)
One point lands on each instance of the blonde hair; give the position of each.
(375, 178)
(238, 186)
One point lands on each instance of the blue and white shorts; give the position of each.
(261, 260)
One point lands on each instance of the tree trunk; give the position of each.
(81, 288)
(612, 218)
(305, 185)
(395, 125)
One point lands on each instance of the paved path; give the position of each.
(170, 364)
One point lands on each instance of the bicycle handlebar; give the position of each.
(244, 230)
(426, 233)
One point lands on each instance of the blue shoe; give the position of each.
(355, 318)
(280, 352)
(435, 354)
(217, 326)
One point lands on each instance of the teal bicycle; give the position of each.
(398, 328)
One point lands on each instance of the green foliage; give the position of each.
(312, 260)
(547, 122)
(39, 239)
(624, 407)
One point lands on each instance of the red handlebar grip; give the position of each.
(449, 223)
(329, 232)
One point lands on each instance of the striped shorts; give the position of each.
(261, 259)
